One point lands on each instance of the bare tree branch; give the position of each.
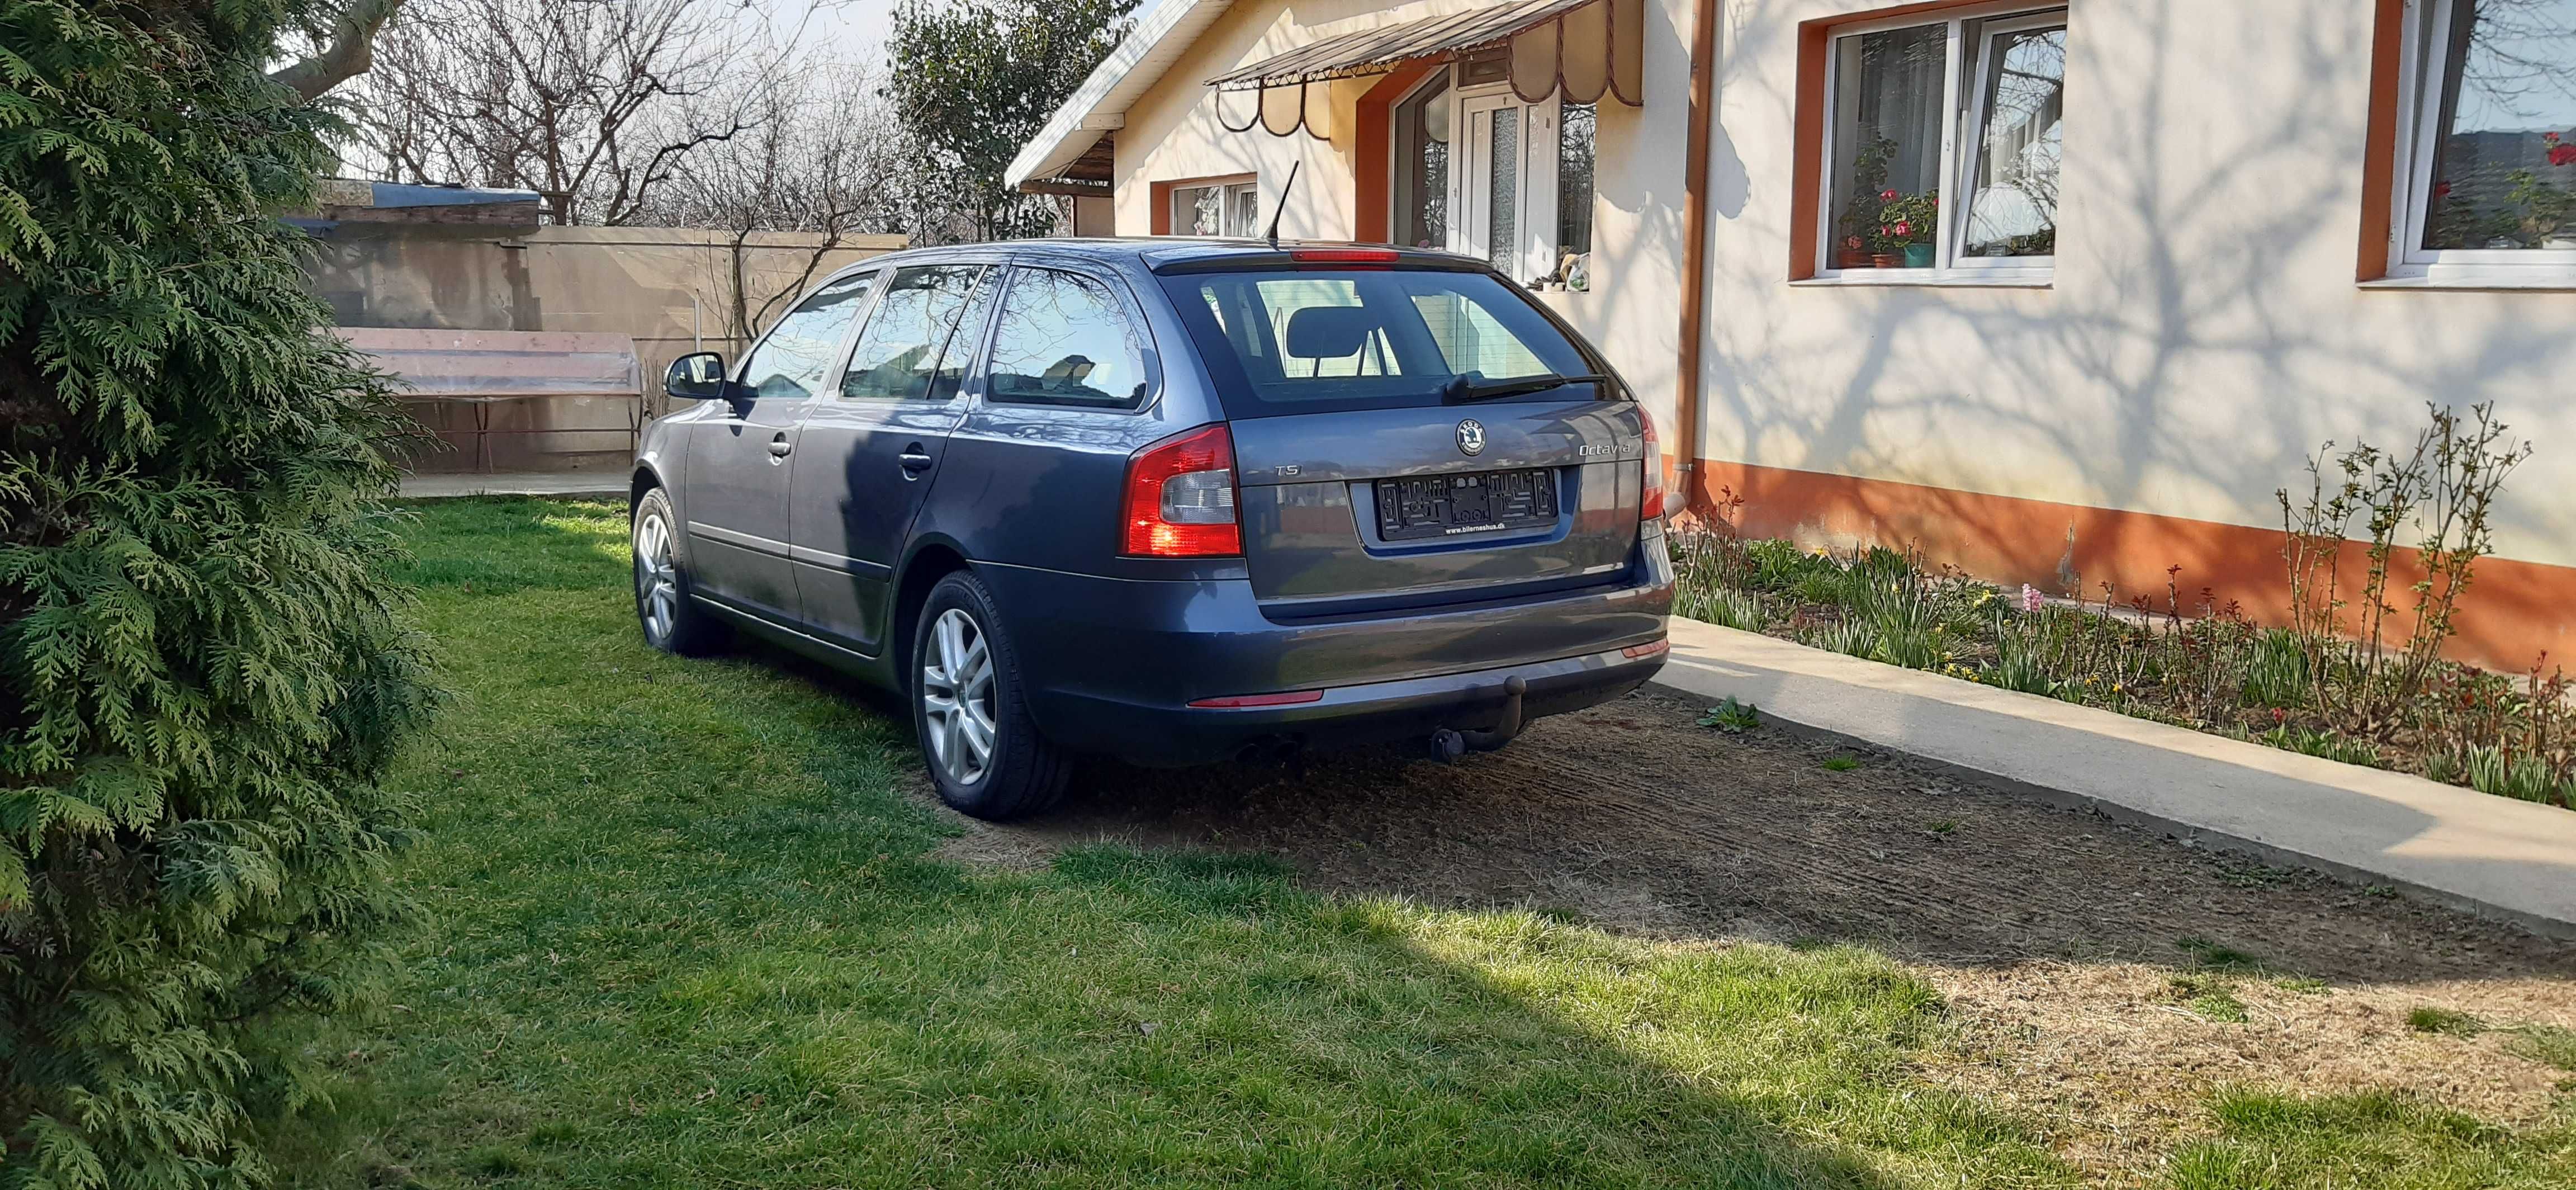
(602, 102)
(350, 52)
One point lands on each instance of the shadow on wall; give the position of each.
(2204, 334)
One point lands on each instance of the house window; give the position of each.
(1518, 176)
(1576, 135)
(1943, 144)
(1216, 209)
(1421, 190)
(1493, 179)
(2488, 175)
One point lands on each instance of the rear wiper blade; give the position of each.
(1463, 391)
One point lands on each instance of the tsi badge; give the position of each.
(1471, 437)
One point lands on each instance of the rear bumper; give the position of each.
(1114, 663)
(1346, 715)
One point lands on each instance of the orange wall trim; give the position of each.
(2379, 153)
(2512, 612)
(1807, 148)
(1372, 155)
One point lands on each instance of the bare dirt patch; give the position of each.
(2090, 966)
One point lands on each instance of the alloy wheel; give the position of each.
(657, 581)
(957, 697)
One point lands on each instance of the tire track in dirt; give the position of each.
(1706, 835)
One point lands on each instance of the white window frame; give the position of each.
(1972, 153)
(1226, 192)
(1534, 214)
(2425, 46)
(1448, 76)
(1964, 120)
(1535, 252)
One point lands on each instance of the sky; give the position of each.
(856, 29)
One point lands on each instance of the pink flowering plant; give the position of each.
(1906, 219)
(2540, 206)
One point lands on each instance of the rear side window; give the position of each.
(899, 354)
(1065, 339)
(797, 355)
(1316, 341)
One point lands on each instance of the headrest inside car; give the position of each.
(1329, 332)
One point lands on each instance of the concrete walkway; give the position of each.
(566, 483)
(2491, 855)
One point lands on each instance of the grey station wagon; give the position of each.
(1174, 501)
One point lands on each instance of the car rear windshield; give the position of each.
(1320, 340)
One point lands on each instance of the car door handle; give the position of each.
(914, 459)
(779, 446)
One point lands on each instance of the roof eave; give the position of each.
(1161, 35)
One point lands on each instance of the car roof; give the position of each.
(1158, 253)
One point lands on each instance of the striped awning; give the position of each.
(1581, 50)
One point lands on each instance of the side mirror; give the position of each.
(697, 376)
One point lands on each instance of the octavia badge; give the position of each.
(1471, 437)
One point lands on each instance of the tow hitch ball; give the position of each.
(1448, 744)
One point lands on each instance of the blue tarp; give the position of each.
(398, 194)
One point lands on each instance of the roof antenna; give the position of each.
(1282, 208)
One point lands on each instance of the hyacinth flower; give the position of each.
(2031, 599)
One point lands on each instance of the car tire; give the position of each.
(969, 705)
(672, 622)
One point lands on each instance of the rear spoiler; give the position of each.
(1206, 259)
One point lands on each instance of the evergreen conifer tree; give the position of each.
(203, 666)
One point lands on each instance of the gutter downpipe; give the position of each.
(1695, 248)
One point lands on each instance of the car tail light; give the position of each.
(1652, 505)
(1180, 497)
(1344, 256)
(1288, 698)
(1648, 649)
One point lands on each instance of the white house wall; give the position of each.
(2205, 331)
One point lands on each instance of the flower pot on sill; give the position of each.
(1918, 256)
(1852, 258)
(1886, 260)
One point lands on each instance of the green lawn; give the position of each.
(683, 927)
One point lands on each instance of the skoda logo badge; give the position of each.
(1471, 437)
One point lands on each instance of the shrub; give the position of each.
(202, 667)
(2443, 491)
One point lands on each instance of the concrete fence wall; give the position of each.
(671, 290)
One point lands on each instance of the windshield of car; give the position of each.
(1315, 341)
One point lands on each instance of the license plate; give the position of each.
(1449, 505)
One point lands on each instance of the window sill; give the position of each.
(1927, 279)
(2505, 280)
